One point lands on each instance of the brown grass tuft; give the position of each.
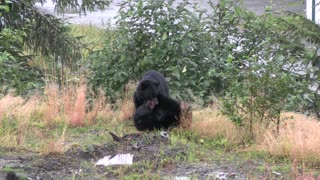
(33, 120)
(52, 103)
(186, 116)
(299, 138)
(210, 124)
(100, 110)
(24, 114)
(55, 146)
(126, 109)
(77, 116)
(8, 105)
(127, 106)
(17, 113)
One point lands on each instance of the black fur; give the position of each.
(151, 84)
(165, 114)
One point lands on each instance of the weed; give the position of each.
(100, 110)
(40, 122)
(10, 169)
(208, 123)
(76, 118)
(298, 139)
(55, 146)
(126, 109)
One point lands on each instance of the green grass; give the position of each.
(89, 33)
(93, 36)
(9, 169)
(20, 172)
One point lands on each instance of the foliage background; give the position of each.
(258, 66)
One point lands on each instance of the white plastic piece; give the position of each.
(181, 178)
(119, 159)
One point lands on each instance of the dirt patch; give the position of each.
(79, 161)
(152, 152)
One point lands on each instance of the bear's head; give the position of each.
(150, 93)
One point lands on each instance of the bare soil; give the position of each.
(152, 153)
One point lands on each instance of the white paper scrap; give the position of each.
(119, 159)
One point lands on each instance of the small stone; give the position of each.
(136, 146)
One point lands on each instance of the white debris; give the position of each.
(164, 134)
(119, 159)
(181, 178)
(220, 176)
(276, 173)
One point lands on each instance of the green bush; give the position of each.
(254, 63)
(154, 35)
(265, 74)
(16, 74)
(174, 39)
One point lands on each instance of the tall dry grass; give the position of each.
(100, 110)
(298, 138)
(126, 105)
(210, 123)
(51, 103)
(8, 105)
(77, 116)
(54, 145)
(126, 109)
(30, 119)
(71, 105)
(10, 110)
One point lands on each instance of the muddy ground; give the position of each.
(153, 156)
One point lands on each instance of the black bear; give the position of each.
(154, 108)
(151, 84)
(165, 114)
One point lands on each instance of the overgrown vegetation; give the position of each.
(27, 32)
(61, 81)
(257, 64)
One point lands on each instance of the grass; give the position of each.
(210, 125)
(43, 123)
(299, 139)
(46, 124)
(61, 118)
(93, 36)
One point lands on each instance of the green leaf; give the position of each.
(164, 36)
(230, 58)
(5, 8)
(184, 69)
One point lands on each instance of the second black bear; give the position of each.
(165, 114)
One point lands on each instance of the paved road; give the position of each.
(98, 18)
(258, 6)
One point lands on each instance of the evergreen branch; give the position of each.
(45, 33)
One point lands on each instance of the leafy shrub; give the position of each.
(158, 35)
(16, 73)
(254, 62)
(304, 30)
(264, 74)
